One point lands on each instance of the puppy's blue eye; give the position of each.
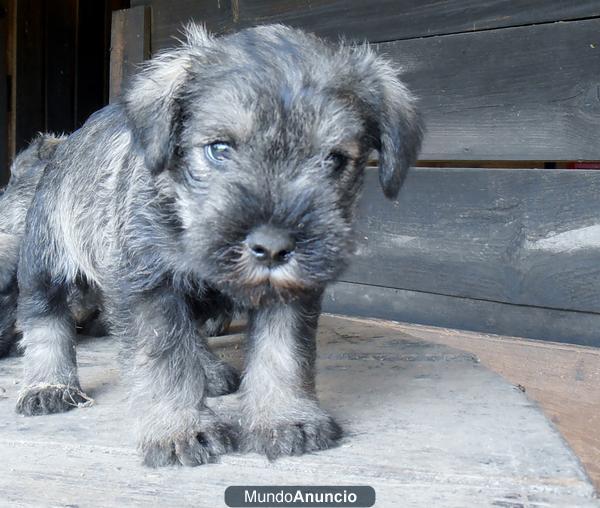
(218, 152)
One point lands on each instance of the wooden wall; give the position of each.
(512, 251)
(62, 63)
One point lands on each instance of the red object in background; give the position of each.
(584, 165)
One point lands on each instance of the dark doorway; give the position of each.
(61, 56)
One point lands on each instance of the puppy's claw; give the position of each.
(193, 449)
(48, 399)
(293, 438)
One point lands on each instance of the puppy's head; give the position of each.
(260, 140)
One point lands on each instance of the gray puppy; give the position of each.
(229, 171)
(25, 171)
(85, 303)
(15, 200)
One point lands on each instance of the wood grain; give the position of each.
(169, 18)
(381, 20)
(425, 425)
(463, 313)
(388, 20)
(517, 93)
(524, 93)
(527, 237)
(563, 379)
(130, 45)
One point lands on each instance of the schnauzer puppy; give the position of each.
(25, 171)
(228, 172)
(84, 302)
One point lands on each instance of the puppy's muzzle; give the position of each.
(270, 246)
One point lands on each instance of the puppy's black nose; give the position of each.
(270, 245)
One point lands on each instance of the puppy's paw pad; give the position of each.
(192, 449)
(294, 438)
(48, 399)
(221, 379)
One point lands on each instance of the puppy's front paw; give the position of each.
(45, 399)
(293, 438)
(193, 447)
(221, 378)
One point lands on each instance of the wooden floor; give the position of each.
(426, 425)
(563, 379)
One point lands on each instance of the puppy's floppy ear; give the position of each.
(395, 124)
(151, 98)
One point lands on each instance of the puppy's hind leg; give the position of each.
(51, 381)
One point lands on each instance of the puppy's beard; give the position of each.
(250, 283)
(285, 277)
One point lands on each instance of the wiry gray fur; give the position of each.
(15, 200)
(131, 204)
(26, 171)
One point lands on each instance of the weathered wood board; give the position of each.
(517, 93)
(358, 20)
(464, 313)
(528, 237)
(130, 45)
(169, 17)
(387, 20)
(523, 93)
(562, 378)
(426, 426)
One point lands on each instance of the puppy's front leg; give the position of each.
(281, 412)
(169, 383)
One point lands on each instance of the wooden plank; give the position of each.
(60, 54)
(486, 445)
(387, 20)
(130, 45)
(510, 94)
(563, 379)
(463, 313)
(169, 17)
(29, 108)
(518, 93)
(383, 20)
(527, 237)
